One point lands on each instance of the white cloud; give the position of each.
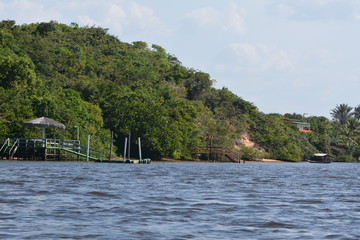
(125, 17)
(121, 16)
(117, 11)
(285, 10)
(145, 19)
(327, 57)
(313, 10)
(325, 2)
(87, 20)
(262, 57)
(204, 17)
(230, 19)
(236, 20)
(115, 18)
(23, 10)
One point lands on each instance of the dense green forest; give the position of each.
(82, 76)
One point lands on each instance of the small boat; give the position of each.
(319, 158)
(136, 161)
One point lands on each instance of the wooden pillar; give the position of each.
(111, 144)
(125, 147)
(88, 148)
(139, 148)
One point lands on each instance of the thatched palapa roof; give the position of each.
(44, 122)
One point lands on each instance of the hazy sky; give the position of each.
(285, 56)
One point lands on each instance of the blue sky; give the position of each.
(289, 56)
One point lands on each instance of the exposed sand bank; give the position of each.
(197, 160)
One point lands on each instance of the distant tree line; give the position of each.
(82, 76)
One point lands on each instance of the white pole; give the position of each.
(139, 148)
(43, 137)
(88, 148)
(129, 145)
(125, 146)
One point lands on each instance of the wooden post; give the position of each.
(139, 148)
(77, 133)
(210, 150)
(45, 149)
(111, 144)
(43, 137)
(88, 148)
(125, 147)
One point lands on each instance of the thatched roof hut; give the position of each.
(44, 122)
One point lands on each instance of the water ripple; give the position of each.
(54, 200)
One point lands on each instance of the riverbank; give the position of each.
(241, 161)
(270, 161)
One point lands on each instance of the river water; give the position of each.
(79, 200)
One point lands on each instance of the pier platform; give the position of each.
(55, 150)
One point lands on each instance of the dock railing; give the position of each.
(30, 148)
(74, 147)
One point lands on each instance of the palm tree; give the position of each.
(342, 113)
(357, 112)
(350, 131)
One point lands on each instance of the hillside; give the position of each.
(82, 76)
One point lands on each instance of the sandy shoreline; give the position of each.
(271, 161)
(204, 161)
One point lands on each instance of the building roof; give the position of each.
(297, 121)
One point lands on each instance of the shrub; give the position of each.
(248, 153)
(345, 158)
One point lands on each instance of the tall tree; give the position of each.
(357, 112)
(342, 113)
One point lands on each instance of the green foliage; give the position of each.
(249, 154)
(6, 40)
(46, 28)
(320, 137)
(167, 124)
(84, 77)
(294, 116)
(345, 158)
(15, 70)
(281, 139)
(197, 83)
(7, 24)
(341, 113)
(356, 112)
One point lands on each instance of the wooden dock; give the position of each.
(55, 150)
(46, 150)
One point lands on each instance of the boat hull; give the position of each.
(324, 162)
(131, 161)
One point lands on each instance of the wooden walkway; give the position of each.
(56, 150)
(47, 149)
